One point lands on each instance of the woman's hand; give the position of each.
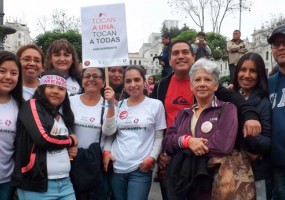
(107, 158)
(109, 95)
(197, 145)
(147, 164)
(72, 151)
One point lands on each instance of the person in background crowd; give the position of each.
(209, 127)
(32, 61)
(150, 84)
(164, 56)
(200, 47)
(236, 48)
(250, 81)
(10, 102)
(175, 94)
(45, 142)
(276, 86)
(89, 111)
(140, 124)
(62, 56)
(116, 81)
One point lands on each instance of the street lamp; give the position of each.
(240, 2)
(4, 30)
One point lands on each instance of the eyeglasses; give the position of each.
(277, 44)
(94, 76)
(29, 60)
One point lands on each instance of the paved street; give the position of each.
(155, 192)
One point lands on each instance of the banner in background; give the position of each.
(104, 36)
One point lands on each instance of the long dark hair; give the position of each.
(260, 69)
(62, 44)
(141, 71)
(17, 92)
(66, 111)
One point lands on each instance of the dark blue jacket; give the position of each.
(261, 144)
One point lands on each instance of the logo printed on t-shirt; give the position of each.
(180, 100)
(92, 119)
(8, 122)
(136, 120)
(123, 114)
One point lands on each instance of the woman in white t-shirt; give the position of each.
(10, 101)
(89, 109)
(140, 124)
(62, 56)
(32, 61)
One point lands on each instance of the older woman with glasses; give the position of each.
(89, 110)
(32, 60)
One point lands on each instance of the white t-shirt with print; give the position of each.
(8, 118)
(73, 87)
(87, 121)
(28, 92)
(58, 163)
(136, 128)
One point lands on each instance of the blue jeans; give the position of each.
(6, 191)
(131, 186)
(279, 183)
(58, 189)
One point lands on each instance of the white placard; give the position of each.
(104, 36)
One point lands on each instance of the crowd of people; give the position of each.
(58, 120)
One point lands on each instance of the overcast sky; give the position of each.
(143, 16)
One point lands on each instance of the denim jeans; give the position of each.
(131, 186)
(58, 189)
(279, 183)
(6, 191)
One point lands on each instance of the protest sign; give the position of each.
(104, 36)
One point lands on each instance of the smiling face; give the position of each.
(31, 63)
(134, 83)
(61, 61)
(55, 94)
(203, 85)
(181, 58)
(279, 52)
(92, 81)
(9, 75)
(115, 76)
(247, 76)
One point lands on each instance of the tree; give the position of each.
(275, 21)
(45, 39)
(173, 32)
(59, 21)
(217, 9)
(216, 42)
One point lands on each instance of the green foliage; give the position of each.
(45, 39)
(225, 79)
(157, 77)
(216, 42)
(218, 45)
(173, 32)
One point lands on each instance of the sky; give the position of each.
(143, 16)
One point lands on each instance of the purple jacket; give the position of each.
(222, 136)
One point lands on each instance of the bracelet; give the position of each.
(106, 153)
(185, 141)
(148, 161)
(110, 105)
